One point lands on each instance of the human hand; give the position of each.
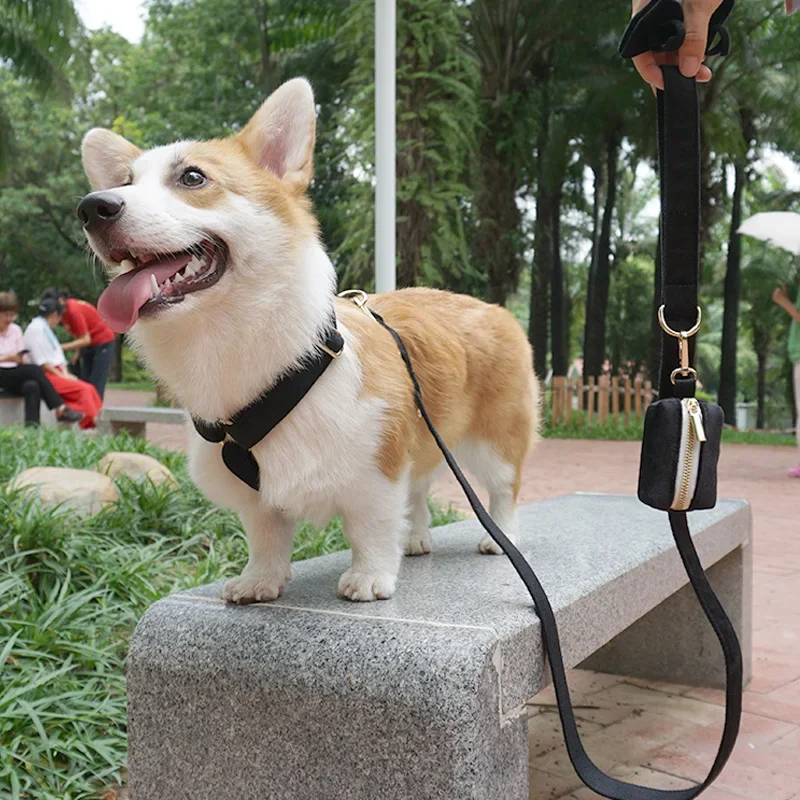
(696, 16)
(781, 296)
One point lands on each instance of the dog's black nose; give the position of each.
(99, 209)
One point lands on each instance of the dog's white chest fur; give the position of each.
(323, 450)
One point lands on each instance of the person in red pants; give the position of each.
(21, 379)
(92, 338)
(44, 349)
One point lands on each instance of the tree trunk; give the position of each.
(654, 363)
(542, 267)
(762, 355)
(730, 322)
(558, 311)
(116, 364)
(264, 44)
(413, 220)
(497, 237)
(600, 275)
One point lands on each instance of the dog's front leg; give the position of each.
(375, 525)
(269, 545)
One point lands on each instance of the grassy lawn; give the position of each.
(580, 429)
(71, 592)
(138, 386)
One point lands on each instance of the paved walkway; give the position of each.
(660, 734)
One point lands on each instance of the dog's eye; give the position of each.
(192, 178)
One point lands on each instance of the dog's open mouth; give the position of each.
(154, 281)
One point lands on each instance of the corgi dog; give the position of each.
(222, 281)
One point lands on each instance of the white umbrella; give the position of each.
(781, 228)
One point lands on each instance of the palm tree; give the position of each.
(752, 105)
(35, 41)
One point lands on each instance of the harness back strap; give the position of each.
(248, 427)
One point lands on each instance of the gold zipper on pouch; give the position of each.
(696, 416)
(694, 433)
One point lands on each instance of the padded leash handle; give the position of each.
(586, 769)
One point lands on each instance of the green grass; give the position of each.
(759, 437)
(71, 591)
(579, 428)
(138, 386)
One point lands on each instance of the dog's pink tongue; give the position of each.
(120, 303)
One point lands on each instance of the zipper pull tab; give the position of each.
(693, 407)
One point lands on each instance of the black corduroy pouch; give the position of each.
(680, 450)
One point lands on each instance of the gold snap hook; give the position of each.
(683, 343)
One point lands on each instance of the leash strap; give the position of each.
(586, 769)
(679, 179)
(679, 173)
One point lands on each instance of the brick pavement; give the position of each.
(665, 735)
(662, 734)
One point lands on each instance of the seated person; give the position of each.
(92, 338)
(45, 350)
(22, 379)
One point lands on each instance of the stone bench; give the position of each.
(12, 411)
(421, 696)
(134, 419)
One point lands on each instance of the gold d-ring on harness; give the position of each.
(683, 343)
(359, 297)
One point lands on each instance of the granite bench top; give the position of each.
(142, 414)
(604, 560)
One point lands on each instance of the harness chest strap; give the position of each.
(246, 428)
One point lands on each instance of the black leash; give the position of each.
(679, 171)
(587, 770)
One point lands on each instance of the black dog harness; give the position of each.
(246, 428)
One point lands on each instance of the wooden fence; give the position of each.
(602, 400)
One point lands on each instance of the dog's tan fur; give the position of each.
(473, 364)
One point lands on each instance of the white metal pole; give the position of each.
(385, 32)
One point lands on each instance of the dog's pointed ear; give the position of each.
(280, 135)
(107, 158)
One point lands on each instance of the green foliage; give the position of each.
(630, 307)
(501, 105)
(40, 238)
(436, 142)
(35, 43)
(71, 592)
(579, 428)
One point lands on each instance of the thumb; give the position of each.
(697, 14)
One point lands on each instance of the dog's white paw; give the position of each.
(366, 586)
(489, 547)
(255, 588)
(418, 543)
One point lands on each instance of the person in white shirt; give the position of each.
(44, 349)
(19, 378)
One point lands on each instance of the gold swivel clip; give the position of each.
(683, 337)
